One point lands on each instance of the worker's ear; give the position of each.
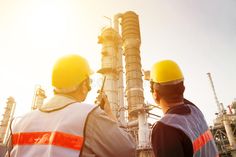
(156, 96)
(84, 87)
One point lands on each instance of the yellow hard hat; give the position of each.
(69, 71)
(165, 71)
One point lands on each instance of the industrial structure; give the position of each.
(7, 117)
(224, 128)
(38, 98)
(121, 65)
(126, 34)
(6, 120)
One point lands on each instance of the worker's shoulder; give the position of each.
(96, 112)
(161, 130)
(81, 106)
(19, 120)
(25, 115)
(160, 126)
(99, 116)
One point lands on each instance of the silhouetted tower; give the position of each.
(6, 119)
(39, 96)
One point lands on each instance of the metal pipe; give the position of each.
(130, 124)
(143, 131)
(121, 118)
(117, 18)
(230, 110)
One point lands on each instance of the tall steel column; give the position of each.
(134, 83)
(131, 43)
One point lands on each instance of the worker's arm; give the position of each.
(170, 142)
(104, 138)
(102, 98)
(3, 150)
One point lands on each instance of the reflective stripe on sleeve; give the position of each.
(202, 140)
(48, 138)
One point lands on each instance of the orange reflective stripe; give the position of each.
(202, 140)
(48, 138)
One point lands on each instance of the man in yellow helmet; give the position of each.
(183, 131)
(64, 126)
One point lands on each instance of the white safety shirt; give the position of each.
(54, 132)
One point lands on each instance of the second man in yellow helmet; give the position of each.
(183, 131)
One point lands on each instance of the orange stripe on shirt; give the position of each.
(202, 140)
(48, 138)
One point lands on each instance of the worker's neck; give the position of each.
(76, 96)
(166, 106)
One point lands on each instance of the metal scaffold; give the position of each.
(224, 128)
(126, 34)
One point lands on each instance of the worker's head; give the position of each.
(166, 81)
(71, 75)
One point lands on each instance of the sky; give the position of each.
(199, 35)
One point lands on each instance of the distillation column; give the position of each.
(110, 40)
(6, 120)
(38, 99)
(134, 83)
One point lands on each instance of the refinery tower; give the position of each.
(224, 128)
